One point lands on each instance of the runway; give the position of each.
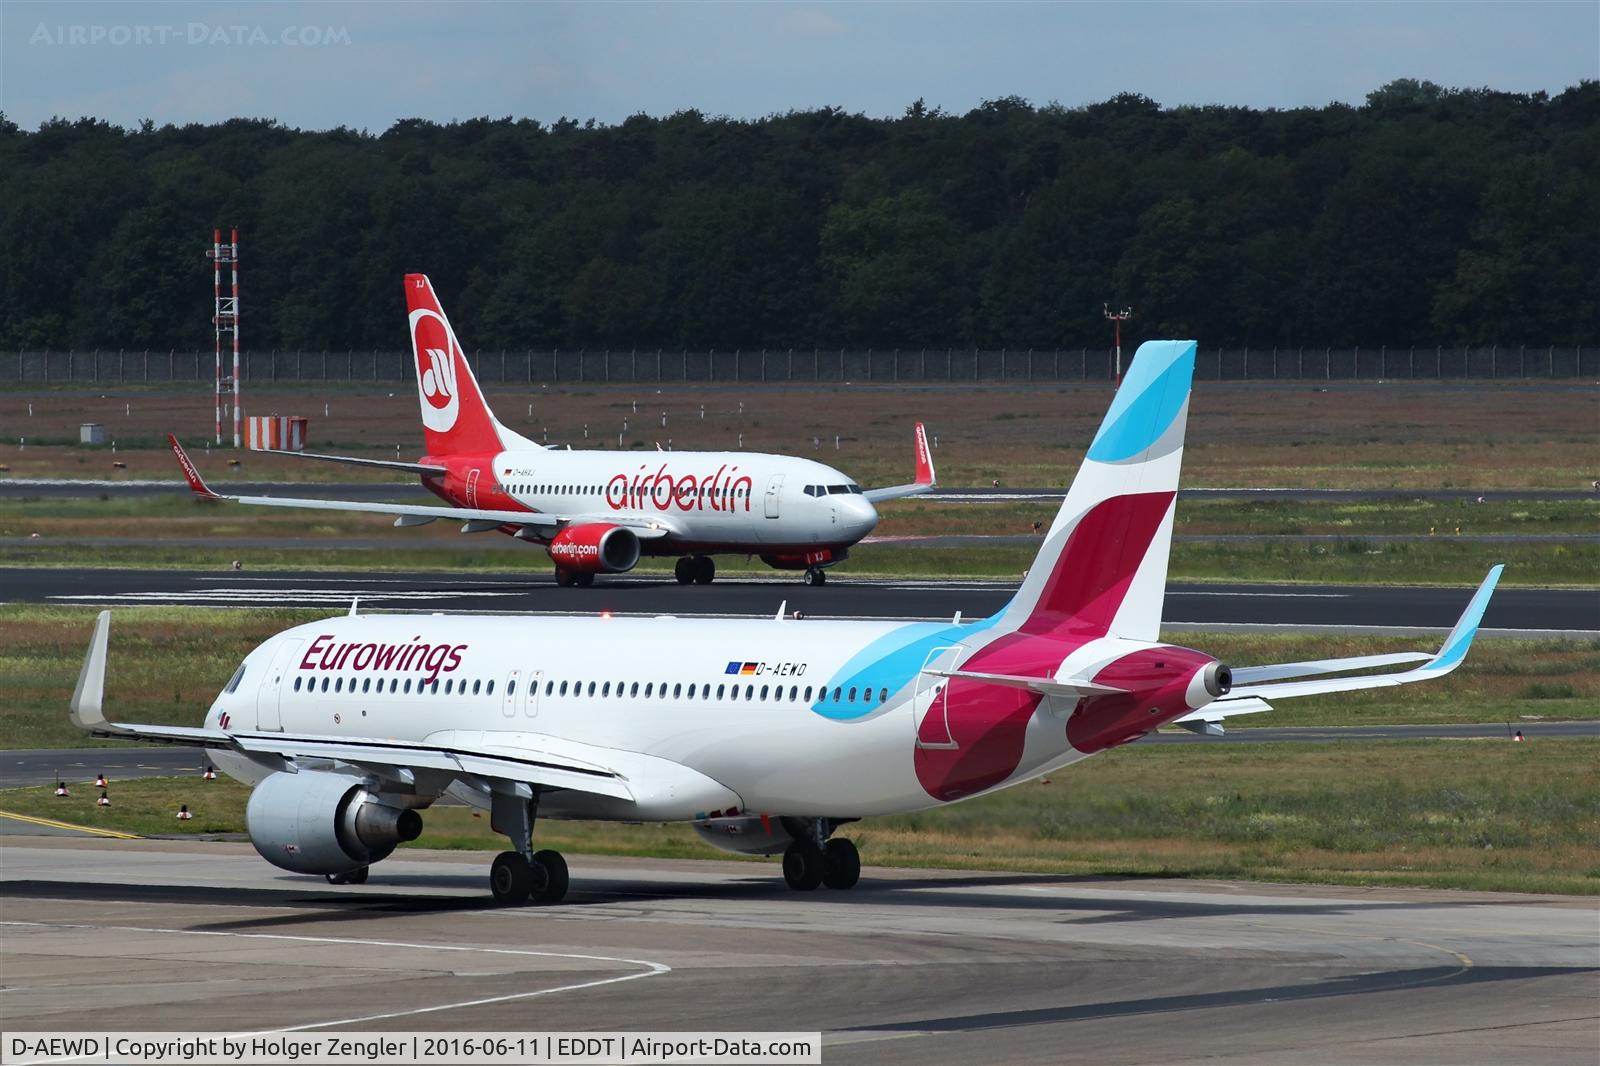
(22, 768)
(914, 966)
(1403, 609)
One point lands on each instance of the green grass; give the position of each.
(1447, 814)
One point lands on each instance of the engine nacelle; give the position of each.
(595, 548)
(315, 822)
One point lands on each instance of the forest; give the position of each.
(1425, 216)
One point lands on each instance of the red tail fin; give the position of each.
(455, 419)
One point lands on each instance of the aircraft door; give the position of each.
(774, 495)
(472, 487)
(930, 711)
(535, 679)
(508, 702)
(269, 697)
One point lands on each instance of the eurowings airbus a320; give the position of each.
(598, 512)
(767, 736)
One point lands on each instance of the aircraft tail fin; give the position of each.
(455, 418)
(1102, 568)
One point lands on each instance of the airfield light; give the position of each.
(1117, 319)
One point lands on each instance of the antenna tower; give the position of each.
(226, 320)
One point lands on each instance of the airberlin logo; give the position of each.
(724, 490)
(435, 352)
(562, 549)
(428, 659)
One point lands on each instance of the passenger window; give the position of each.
(749, 692)
(475, 685)
(883, 695)
(338, 684)
(794, 693)
(648, 688)
(633, 690)
(563, 688)
(763, 692)
(837, 692)
(677, 690)
(366, 684)
(394, 684)
(720, 689)
(605, 689)
(808, 693)
(852, 693)
(408, 686)
(297, 684)
(233, 682)
(449, 682)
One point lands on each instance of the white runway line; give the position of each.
(651, 969)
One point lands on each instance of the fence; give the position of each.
(813, 365)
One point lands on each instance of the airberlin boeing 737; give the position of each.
(598, 512)
(766, 736)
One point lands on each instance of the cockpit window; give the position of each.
(233, 682)
(855, 489)
(838, 490)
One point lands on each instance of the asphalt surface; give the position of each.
(924, 966)
(409, 491)
(1400, 609)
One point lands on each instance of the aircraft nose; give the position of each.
(858, 516)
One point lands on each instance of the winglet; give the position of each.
(925, 474)
(1455, 646)
(197, 485)
(87, 707)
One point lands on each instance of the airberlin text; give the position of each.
(724, 490)
(428, 659)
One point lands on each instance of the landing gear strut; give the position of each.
(816, 576)
(814, 860)
(523, 875)
(695, 570)
(573, 578)
(358, 876)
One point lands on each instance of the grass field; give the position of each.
(167, 665)
(1432, 435)
(1449, 814)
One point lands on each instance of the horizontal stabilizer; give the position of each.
(926, 479)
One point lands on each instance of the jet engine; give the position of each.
(595, 548)
(315, 822)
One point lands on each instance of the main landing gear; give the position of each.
(814, 860)
(523, 875)
(358, 876)
(695, 570)
(573, 578)
(816, 576)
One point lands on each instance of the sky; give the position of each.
(366, 65)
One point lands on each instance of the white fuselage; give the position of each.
(749, 499)
(791, 717)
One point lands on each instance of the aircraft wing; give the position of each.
(454, 754)
(425, 469)
(475, 519)
(1263, 683)
(925, 476)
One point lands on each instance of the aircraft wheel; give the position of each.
(816, 577)
(705, 570)
(565, 578)
(843, 864)
(802, 866)
(511, 878)
(556, 879)
(357, 876)
(583, 580)
(684, 571)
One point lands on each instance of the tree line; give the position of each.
(1427, 216)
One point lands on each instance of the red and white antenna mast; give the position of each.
(226, 320)
(1118, 318)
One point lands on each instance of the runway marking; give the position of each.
(653, 969)
(53, 824)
